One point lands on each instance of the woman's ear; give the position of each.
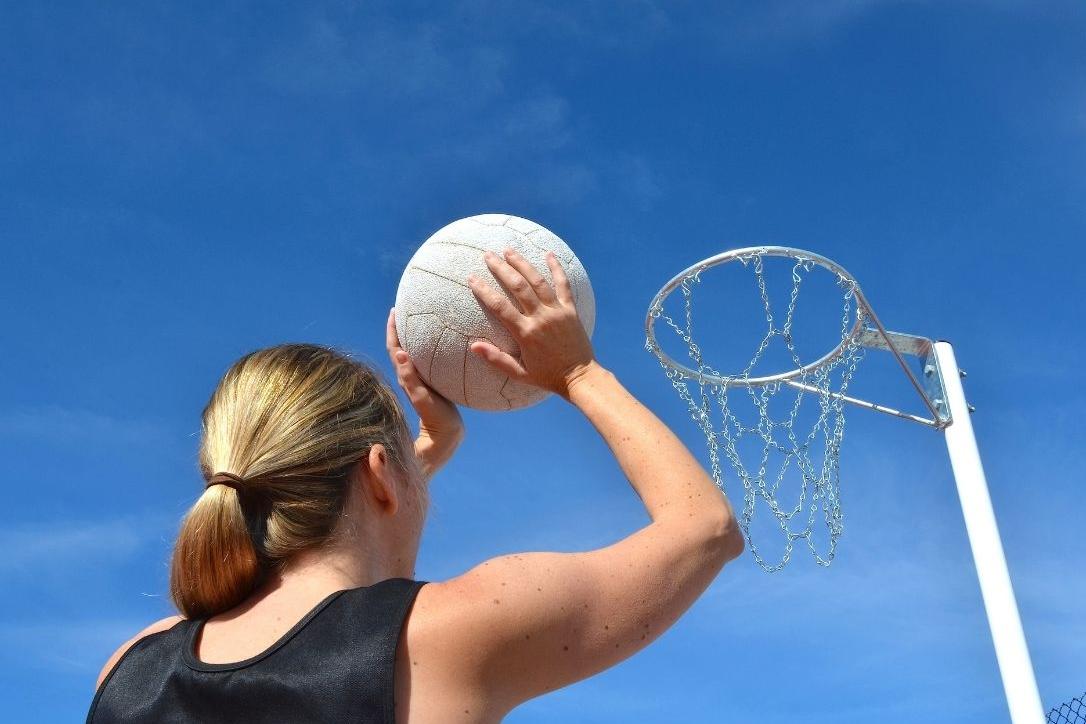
(380, 482)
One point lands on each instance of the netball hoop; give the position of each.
(794, 509)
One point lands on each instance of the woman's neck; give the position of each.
(338, 568)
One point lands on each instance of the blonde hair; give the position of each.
(292, 421)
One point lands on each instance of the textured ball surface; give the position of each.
(438, 317)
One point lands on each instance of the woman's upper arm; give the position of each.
(525, 624)
(160, 625)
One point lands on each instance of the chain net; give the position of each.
(1073, 712)
(819, 491)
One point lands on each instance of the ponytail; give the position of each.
(294, 420)
(215, 563)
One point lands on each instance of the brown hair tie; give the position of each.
(228, 479)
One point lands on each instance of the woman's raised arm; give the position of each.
(520, 625)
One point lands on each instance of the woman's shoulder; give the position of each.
(158, 626)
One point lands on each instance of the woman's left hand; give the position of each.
(441, 428)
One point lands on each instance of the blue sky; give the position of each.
(185, 183)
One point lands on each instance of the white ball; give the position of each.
(437, 316)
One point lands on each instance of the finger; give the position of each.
(503, 361)
(392, 339)
(410, 380)
(561, 281)
(539, 285)
(498, 304)
(513, 282)
(404, 368)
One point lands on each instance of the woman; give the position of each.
(293, 572)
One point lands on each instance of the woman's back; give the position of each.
(335, 663)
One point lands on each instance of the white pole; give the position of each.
(995, 581)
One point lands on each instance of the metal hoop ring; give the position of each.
(734, 255)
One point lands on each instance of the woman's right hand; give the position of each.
(554, 348)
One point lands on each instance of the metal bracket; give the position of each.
(931, 389)
(931, 385)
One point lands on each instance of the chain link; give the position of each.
(819, 491)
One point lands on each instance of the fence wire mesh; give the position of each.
(1073, 712)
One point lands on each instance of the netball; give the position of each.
(437, 316)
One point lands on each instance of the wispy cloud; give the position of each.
(60, 544)
(66, 646)
(78, 427)
(783, 21)
(624, 27)
(634, 174)
(643, 25)
(470, 124)
(359, 51)
(512, 141)
(639, 26)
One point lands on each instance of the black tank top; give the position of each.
(335, 665)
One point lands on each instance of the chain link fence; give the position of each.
(1073, 712)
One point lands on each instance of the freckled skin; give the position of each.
(490, 659)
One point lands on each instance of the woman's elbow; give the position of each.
(733, 542)
(727, 538)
